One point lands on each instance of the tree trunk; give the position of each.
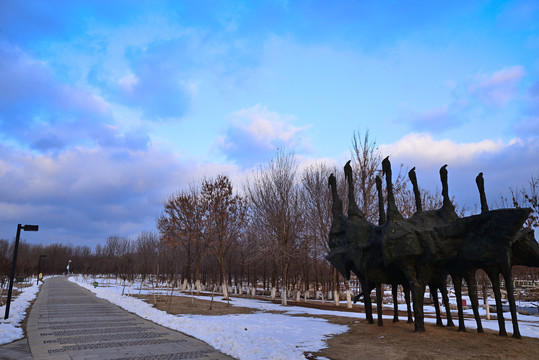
(348, 294)
(285, 283)
(154, 283)
(273, 282)
(197, 274)
(264, 286)
(184, 285)
(224, 280)
(170, 296)
(485, 299)
(253, 290)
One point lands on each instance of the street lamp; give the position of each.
(14, 263)
(39, 267)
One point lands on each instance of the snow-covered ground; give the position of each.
(260, 335)
(10, 329)
(244, 336)
(265, 335)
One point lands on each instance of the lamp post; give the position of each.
(14, 263)
(39, 267)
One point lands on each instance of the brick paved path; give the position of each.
(69, 322)
(17, 350)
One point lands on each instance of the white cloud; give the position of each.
(128, 82)
(505, 165)
(255, 133)
(499, 87)
(266, 125)
(422, 148)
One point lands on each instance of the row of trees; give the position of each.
(282, 224)
(270, 234)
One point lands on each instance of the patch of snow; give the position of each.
(10, 329)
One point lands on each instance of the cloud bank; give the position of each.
(89, 194)
(504, 164)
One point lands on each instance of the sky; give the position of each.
(108, 108)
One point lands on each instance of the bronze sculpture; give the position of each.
(423, 249)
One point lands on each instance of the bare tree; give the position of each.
(366, 161)
(528, 197)
(275, 200)
(224, 217)
(182, 225)
(317, 203)
(147, 249)
(4, 266)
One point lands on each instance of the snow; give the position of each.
(10, 329)
(244, 336)
(266, 335)
(261, 335)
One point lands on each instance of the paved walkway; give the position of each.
(69, 322)
(17, 350)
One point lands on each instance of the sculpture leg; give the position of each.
(418, 292)
(394, 289)
(379, 299)
(406, 290)
(367, 301)
(457, 283)
(434, 295)
(508, 277)
(445, 299)
(495, 280)
(472, 293)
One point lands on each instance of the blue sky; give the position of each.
(107, 108)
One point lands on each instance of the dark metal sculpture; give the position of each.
(423, 249)
(522, 250)
(439, 278)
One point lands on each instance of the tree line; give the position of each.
(267, 236)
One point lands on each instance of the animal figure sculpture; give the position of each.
(523, 250)
(366, 251)
(459, 245)
(357, 238)
(422, 249)
(458, 271)
(338, 255)
(398, 278)
(438, 282)
(346, 244)
(402, 248)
